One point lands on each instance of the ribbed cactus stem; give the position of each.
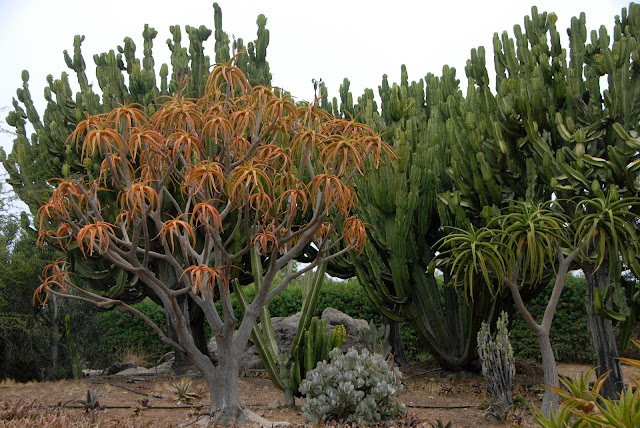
(222, 39)
(498, 363)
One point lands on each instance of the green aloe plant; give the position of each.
(513, 250)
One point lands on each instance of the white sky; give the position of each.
(361, 40)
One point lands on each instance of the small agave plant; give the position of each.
(183, 390)
(583, 405)
(92, 401)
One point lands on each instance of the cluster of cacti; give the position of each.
(310, 345)
(315, 347)
(396, 268)
(548, 129)
(357, 388)
(552, 127)
(376, 340)
(498, 365)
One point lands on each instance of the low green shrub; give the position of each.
(123, 332)
(357, 388)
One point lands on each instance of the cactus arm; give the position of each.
(310, 302)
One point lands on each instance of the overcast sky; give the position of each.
(361, 40)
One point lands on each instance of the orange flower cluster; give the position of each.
(242, 166)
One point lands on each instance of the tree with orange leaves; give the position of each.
(198, 186)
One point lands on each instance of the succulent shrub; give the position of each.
(355, 388)
(376, 340)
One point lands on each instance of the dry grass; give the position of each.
(11, 382)
(134, 355)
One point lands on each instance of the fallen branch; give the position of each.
(128, 389)
(423, 373)
(417, 406)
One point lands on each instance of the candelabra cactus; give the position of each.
(395, 268)
(554, 130)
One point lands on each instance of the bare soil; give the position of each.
(430, 395)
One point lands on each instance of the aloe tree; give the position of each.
(183, 195)
(123, 79)
(519, 247)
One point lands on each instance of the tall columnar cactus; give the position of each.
(498, 364)
(409, 202)
(315, 347)
(555, 131)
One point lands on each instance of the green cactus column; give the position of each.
(409, 202)
(551, 129)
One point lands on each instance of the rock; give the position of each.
(138, 371)
(116, 368)
(334, 317)
(285, 329)
(91, 372)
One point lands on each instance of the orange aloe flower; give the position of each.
(334, 191)
(202, 276)
(229, 74)
(246, 177)
(174, 227)
(178, 113)
(95, 234)
(206, 175)
(138, 198)
(355, 233)
(205, 214)
(54, 274)
(263, 239)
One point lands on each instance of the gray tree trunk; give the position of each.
(226, 402)
(550, 400)
(601, 335)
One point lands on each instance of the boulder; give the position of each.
(138, 371)
(118, 367)
(285, 329)
(334, 317)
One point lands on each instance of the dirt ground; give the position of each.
(430, 395)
